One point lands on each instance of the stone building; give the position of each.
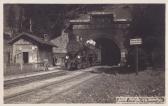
(60, 51)
(108, 33)
(28, 48)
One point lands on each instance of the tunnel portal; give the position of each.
(110, 52)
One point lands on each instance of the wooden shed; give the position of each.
(28, 48)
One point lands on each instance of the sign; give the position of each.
(123, 54)
(136, 41)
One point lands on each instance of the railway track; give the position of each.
(45, 92)
(26, 80)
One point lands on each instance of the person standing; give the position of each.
(46, 64)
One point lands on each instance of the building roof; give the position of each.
(33, 37)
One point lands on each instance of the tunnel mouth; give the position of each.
(110, 52)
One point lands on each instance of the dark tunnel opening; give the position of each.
(110, 52)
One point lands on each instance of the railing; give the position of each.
(25, 68)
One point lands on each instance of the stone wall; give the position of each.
(60, 51)
(45, 53)
(116, 35)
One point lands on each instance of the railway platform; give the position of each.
(31, 74)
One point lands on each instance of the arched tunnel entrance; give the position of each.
(110, 52)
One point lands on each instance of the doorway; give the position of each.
(25, 57)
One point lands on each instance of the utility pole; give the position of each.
(137, 63)
(136, 42)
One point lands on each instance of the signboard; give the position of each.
(136, 41)
(123, 54)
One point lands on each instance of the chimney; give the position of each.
(45, 37)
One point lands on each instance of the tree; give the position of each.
(149, 24)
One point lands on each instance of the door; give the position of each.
(25, 57)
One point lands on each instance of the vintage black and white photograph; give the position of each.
(84, 53)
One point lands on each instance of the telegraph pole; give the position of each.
(137, 63)
(136, 42)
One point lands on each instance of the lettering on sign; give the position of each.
(136, 41)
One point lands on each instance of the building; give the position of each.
(29, 49)
(60, 51)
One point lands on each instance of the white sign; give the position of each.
(136, 41)
(122, 54)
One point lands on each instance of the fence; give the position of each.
(25, 68)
